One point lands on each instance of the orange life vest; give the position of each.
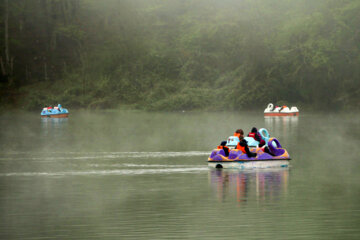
(222, 147)
(238, 146)
(237, 134)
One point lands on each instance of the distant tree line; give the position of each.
(180, 55)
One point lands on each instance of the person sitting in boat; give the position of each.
(224, 147)
(266, 150)
(283, 107)
(242, 145)
(238, 133)
(256, 135)
(59, 107)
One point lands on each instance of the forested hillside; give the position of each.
(180, 54)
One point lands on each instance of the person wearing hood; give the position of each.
(256, 135)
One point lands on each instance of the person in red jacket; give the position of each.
(256, 135)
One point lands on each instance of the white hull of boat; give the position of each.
(249, 164)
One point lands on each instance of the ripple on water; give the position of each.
(48, 156)
(109, 172)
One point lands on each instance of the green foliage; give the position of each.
(183, 55)
(187, 99)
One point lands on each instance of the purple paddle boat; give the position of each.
(278, 157)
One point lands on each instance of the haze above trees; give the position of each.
(180, 55)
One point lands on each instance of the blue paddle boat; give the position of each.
(56, 112)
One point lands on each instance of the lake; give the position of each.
(141, 175)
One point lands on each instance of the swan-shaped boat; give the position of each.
(56, 112)
(280, 111)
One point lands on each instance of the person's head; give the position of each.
(223, 143)
(254, 130)
(241, 132)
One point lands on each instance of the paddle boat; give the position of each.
(56, 112)
(280, 111)
(276, 156)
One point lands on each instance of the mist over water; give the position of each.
(139, 175)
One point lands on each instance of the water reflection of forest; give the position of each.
(260, 185)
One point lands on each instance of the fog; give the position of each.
(102, 173)
(180, 55)
(152, 87)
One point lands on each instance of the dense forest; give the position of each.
(180, 54)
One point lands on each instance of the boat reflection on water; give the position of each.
(259, 185)
(282, 127)
(53, 121)
(53, 126)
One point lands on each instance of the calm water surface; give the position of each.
(137, 175)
